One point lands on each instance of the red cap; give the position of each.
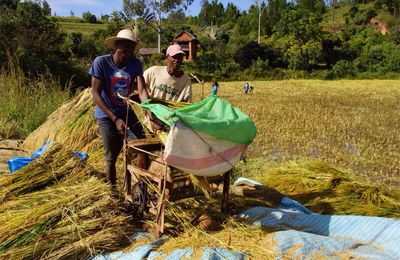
(174, 49)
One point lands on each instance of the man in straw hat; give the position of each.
(169, 82)
(114, 74)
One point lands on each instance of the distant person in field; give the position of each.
(169, 82)
(246, 87)
(214, 87)
(251, 89)
(113, 74)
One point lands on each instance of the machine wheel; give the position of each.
(139, 197)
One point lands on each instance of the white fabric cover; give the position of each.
(199, 153)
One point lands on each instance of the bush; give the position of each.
(252, 51)
(343, 68)
(157, 59)
(89, 17)
(381, 58)
(228, 70)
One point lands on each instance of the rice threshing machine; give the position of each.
(204, 139)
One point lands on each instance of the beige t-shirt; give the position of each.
(162, 85)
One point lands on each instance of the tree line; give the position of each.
(281, 39)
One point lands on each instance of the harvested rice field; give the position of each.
(333, 146)
(347, 123)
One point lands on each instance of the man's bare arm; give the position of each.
(156, 124)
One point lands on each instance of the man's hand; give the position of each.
(120, 124)
(156, 124)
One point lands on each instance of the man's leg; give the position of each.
(111, 173)
(112, 142)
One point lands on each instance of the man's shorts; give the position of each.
(112, 140)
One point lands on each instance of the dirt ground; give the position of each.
(9, 149)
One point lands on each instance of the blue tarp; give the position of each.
(330, 235)
(301, 234)
(17, 163)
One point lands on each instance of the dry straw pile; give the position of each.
(72, 125)
(58, 207)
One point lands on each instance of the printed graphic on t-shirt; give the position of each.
(168, 90)
(120, 83)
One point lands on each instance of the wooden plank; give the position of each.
(225, 192)
(135, 170)
(141, 143)
(128, 176)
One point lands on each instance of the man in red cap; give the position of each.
(169, 82)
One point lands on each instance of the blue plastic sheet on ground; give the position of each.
(243, 179)
(17, 163)
(148, 252)
(301, 234)
(289, 204)
(308, 235)
(286, 203)
(41, 150)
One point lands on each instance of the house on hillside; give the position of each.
(189, 43)
(186, 40)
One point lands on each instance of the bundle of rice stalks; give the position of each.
(183, 230)
(73, 124)
(59, 222)
(49, 168)
(186, 214)
(372, 193)
(326, 189)
(256, 243)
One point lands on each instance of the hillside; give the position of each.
(383, 21)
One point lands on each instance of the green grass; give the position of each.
(26, 103)
(84, 28)
(352, 124)
(70, 19)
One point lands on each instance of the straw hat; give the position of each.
(125, 34)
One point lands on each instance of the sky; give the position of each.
(99, 7)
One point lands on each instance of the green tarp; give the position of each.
(213, 115)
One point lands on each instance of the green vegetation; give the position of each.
(26, 103)
(306, 39)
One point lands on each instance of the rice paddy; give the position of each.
(329, 145)
(349, 124)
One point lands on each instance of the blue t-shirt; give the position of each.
(115, 80)
(214, 89)
(246, 87)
